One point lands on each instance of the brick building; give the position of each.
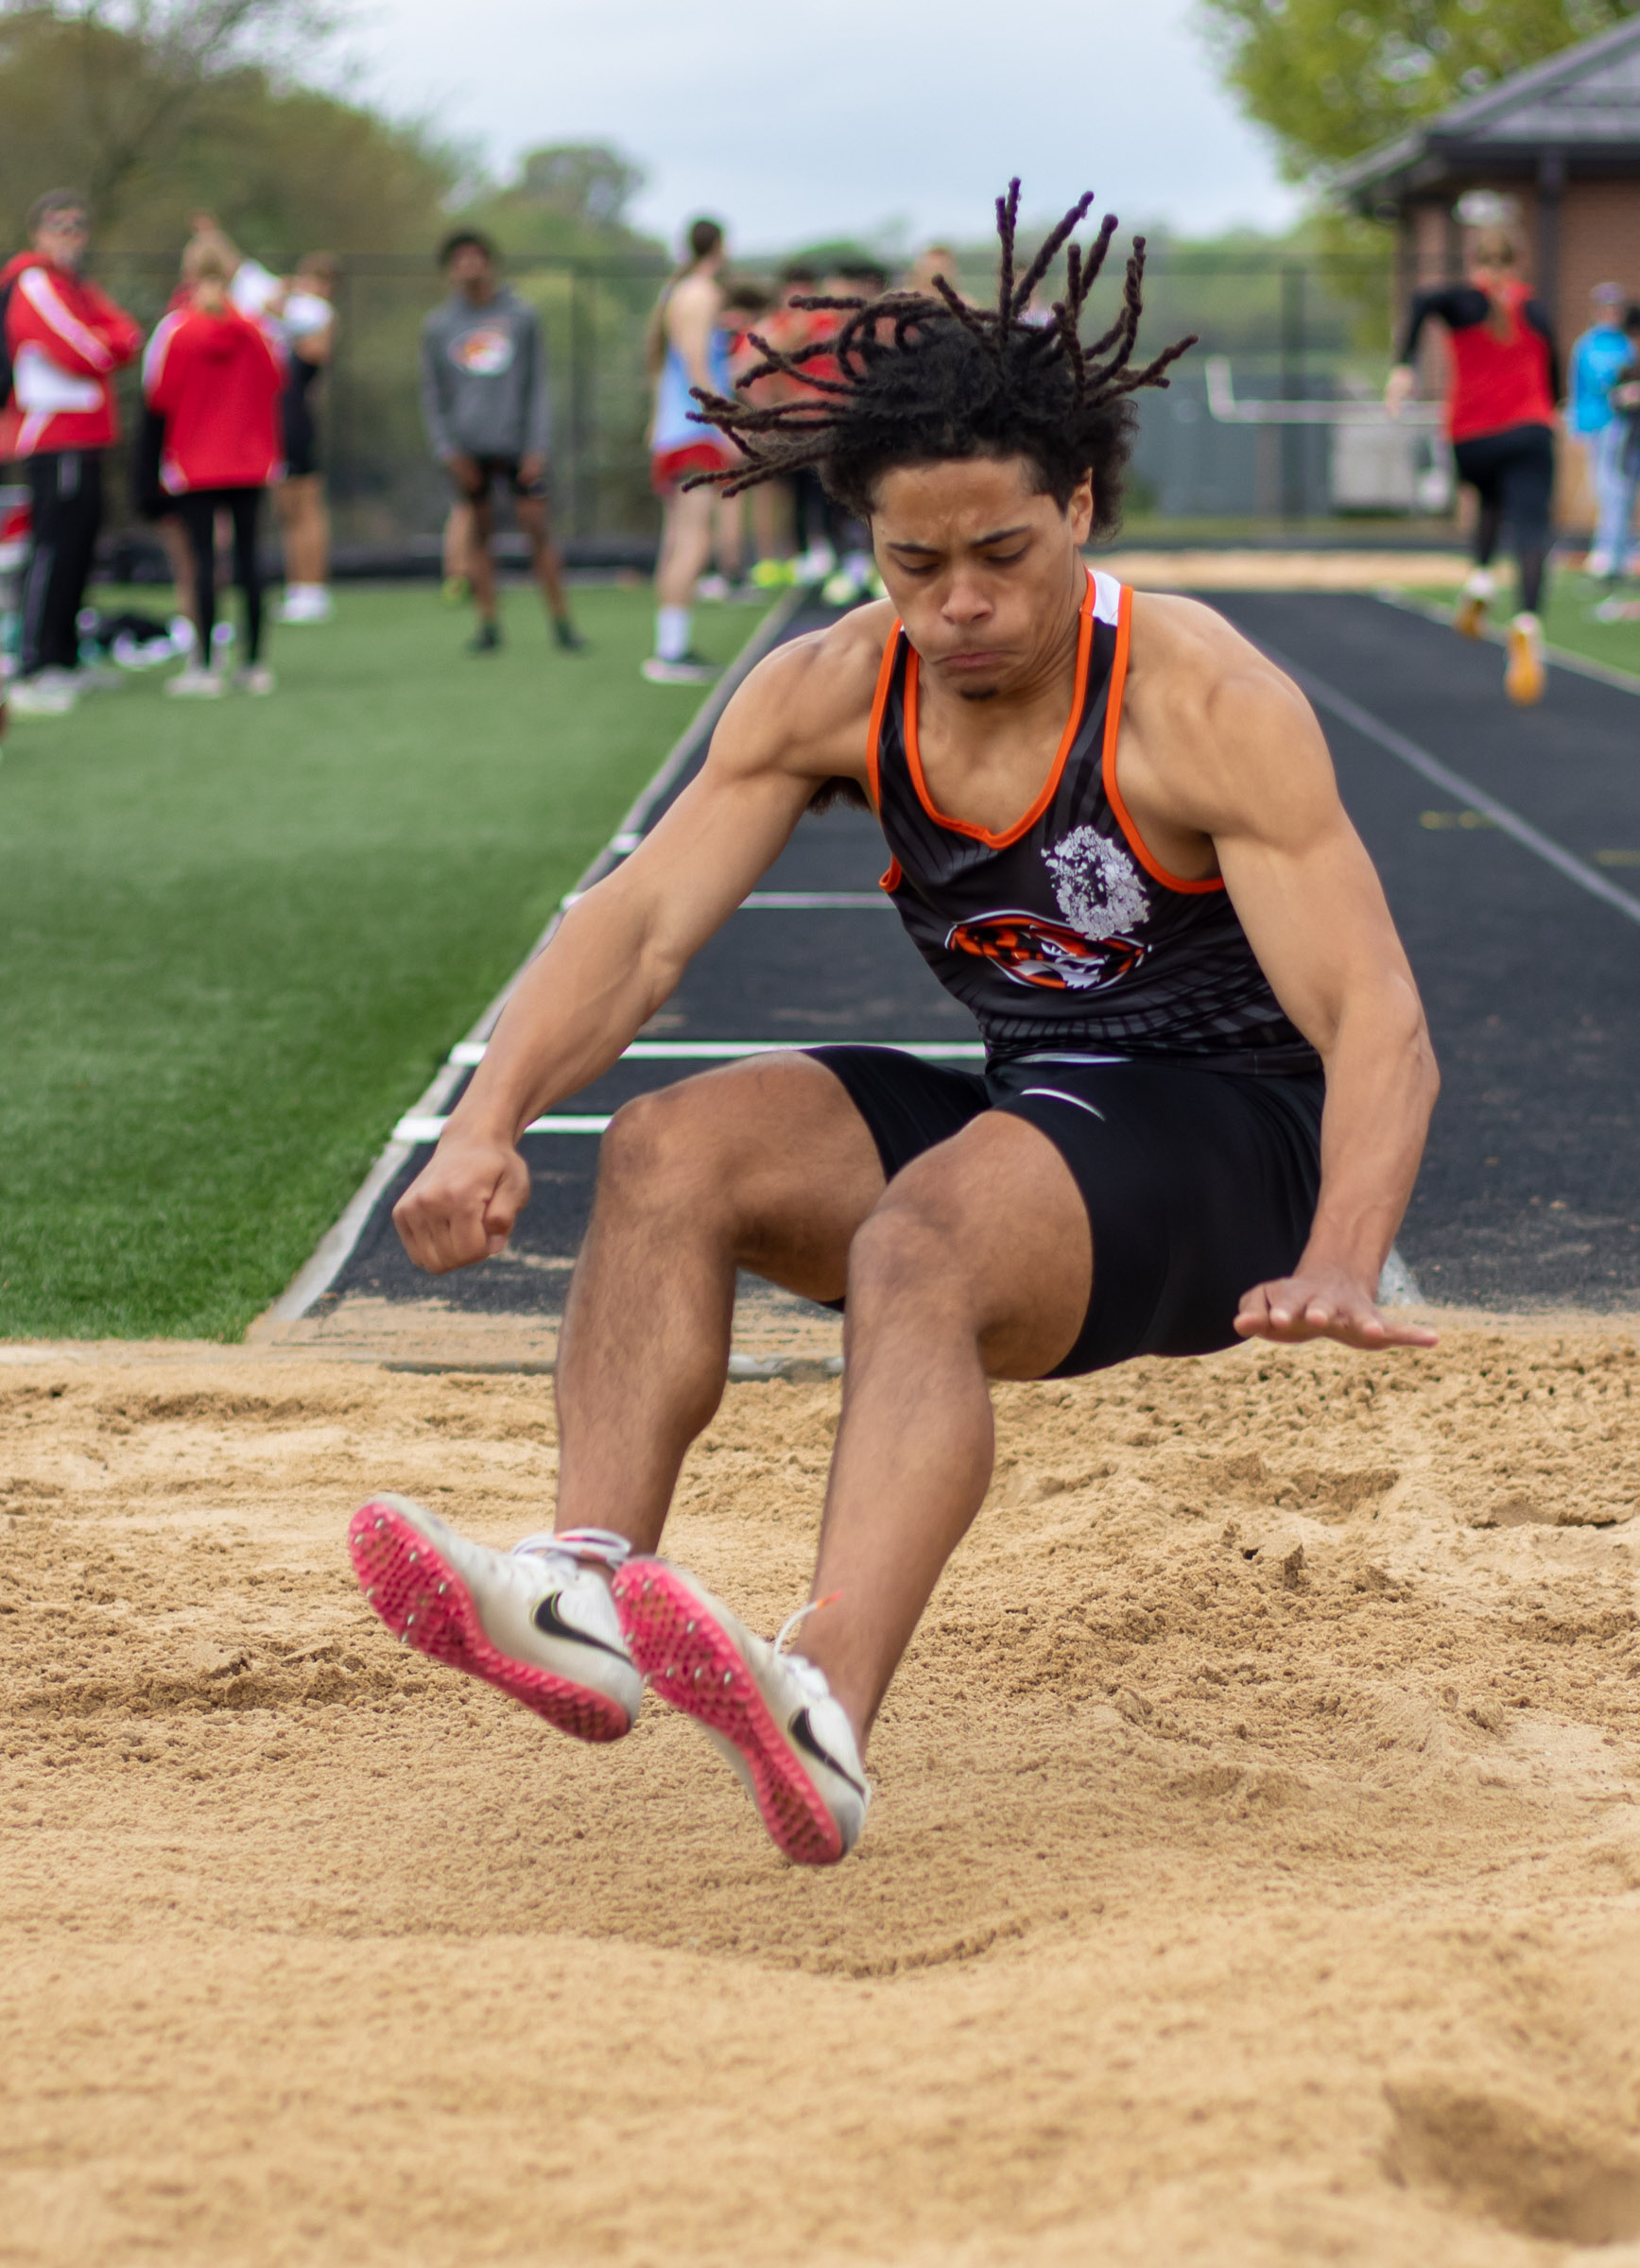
(1562, 142)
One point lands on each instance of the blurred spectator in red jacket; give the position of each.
(64, 339)
(216, 378)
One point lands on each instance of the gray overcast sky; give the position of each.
(844, 116)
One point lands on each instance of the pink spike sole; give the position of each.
(692, 1662)
(424, 1602)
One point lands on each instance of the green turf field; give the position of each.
(1570, 621)
(240, 935)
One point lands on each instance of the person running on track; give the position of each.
(687, 348)
(1500, 417)
(1114, 835)
(64, 339)
(216, 377)
(485, 403)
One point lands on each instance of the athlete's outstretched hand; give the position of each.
(1324, 1303)
(461, 1206)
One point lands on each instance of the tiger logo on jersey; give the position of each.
(484, 353)
(1051, 955)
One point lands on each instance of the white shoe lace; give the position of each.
(601, 1545)
(808, 1673)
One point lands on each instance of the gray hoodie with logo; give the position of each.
(484, 379)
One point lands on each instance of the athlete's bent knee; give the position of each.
(664, 1150)
(906, 1251)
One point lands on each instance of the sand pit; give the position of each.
(1254, 1875)
(1230, 569)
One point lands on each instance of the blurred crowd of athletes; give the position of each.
(227, 420)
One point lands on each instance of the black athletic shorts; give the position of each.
(300, 438)
(1199, 1184)
(494, 469)
(1514, 471)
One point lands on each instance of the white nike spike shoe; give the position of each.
(536, 1622)
(772, 1713)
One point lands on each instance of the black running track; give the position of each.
(1531, 1189)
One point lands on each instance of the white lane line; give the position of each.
(793, 902)
(1509, 822)
(468, 1052)
(426, 1127)
(1397, 1285)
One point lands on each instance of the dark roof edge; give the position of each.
(1459, 119)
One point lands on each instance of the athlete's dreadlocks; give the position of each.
(921, 378)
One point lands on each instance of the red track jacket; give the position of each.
(216, 380)
(66, 339)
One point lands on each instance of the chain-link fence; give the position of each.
(1272, 416)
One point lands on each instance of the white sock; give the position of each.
(671, 633)
(1482, 583)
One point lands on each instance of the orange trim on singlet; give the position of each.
(893, 879)
(1108, 765)
(879, 702)
(914, 760)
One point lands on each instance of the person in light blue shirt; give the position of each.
(1624, 397)
(1597, 357)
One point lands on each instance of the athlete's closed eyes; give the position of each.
(920, 563)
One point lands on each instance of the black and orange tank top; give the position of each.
(1063, 932)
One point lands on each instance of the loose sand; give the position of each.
(1254, 1875)
(1247, 569)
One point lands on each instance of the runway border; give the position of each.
(336, 1247)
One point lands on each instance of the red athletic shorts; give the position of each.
(671, 466)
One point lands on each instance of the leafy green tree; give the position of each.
(184, 104)
(568, 200)
(1329, 81)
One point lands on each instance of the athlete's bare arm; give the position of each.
(801, 719)
(1223, 766)
(692, 310)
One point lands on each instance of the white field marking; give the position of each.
(468, 1052)
(1502, 816)
(1397, 1285)
(335, 1247)
(1560, 656)
(418, 1128)
(791, 902)
(796, 902)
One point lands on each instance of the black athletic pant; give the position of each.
(1513, 475)
(65, 499)
(197, 512)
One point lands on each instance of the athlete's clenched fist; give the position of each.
(461, 1207)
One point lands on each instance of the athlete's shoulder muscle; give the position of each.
(1225, 741)
(806, 711)
(691, 308)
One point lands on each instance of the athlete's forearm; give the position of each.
(1381, 1088)
(577, 1005)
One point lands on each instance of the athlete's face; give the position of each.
(61, 237)
(983, 568)
(471, 271)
